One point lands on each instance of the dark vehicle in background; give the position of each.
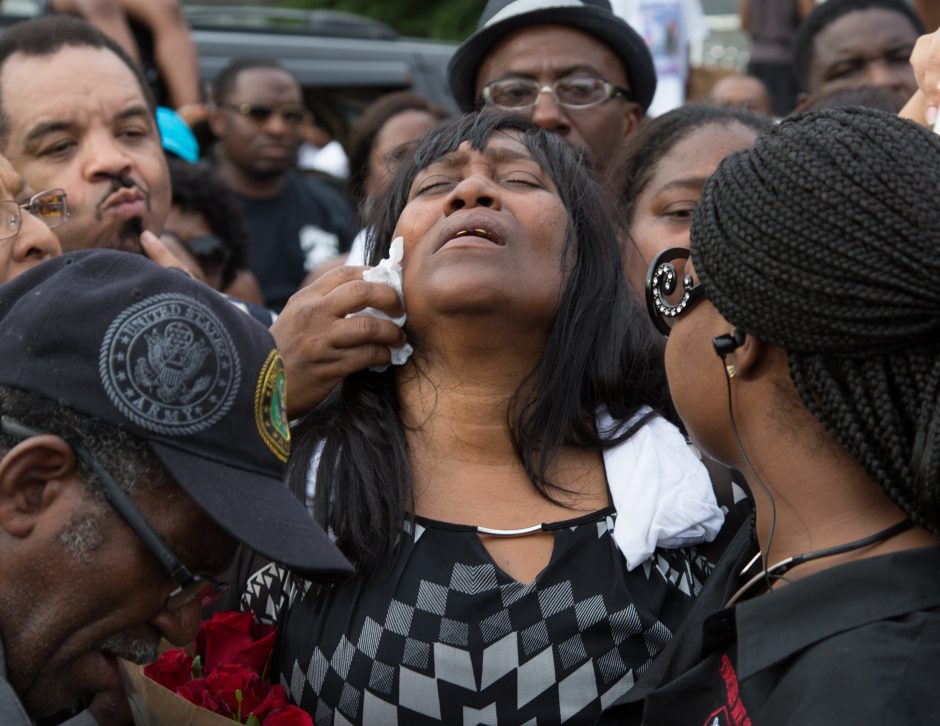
(343, 61)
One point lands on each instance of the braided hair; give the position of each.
(824, 239)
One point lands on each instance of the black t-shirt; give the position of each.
(290, 234)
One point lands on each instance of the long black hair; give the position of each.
(824, 239)
(600, 352)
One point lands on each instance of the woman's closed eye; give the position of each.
(434, 184)
(522, 178)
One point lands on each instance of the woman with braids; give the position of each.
(661, 171)
(813, 277)
(518, 515)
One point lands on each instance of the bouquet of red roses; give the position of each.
(224, 679)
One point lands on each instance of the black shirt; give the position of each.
(290, 234)
(855, 644)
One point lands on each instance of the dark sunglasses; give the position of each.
(191, 587)
(665, 301)
(260, 112)
(209, 250)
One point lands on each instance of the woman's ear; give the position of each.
(31, 477)
(740, 352)
(751, 357)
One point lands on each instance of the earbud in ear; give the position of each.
(727, 344)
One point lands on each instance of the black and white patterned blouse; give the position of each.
(446, 637)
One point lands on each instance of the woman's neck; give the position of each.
(822, 498)
(463, 462)
(460, 413)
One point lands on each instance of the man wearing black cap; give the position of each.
(142, 435)
(577, 68)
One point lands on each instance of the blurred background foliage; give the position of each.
(450, 20)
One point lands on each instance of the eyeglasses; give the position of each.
(260, 112)
(50, 207)
(574, 92)
(664, 301)
(191, 587)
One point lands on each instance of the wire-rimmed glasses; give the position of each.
(50, 207)
(573, 92)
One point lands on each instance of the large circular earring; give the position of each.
(662, 281)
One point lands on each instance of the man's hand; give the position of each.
(321, 346)
(925, 59)
(158, 251)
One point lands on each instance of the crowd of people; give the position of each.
(640, 425)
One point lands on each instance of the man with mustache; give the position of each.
(76, 113)
(142, 436)
(295, 223)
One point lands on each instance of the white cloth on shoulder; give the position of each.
(660, 489)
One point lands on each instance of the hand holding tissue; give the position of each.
(388, 271)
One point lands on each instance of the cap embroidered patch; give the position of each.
(271, 406)
(169, 365)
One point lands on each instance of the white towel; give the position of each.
(660, 488)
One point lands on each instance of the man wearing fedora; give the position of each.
(573, 65)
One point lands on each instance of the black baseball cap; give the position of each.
(171, 361)
(594, 17)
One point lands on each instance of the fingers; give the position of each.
(365, 331)
(346, 292)
(925, 59)
(321, 346)
(157, 250)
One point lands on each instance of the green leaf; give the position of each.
(253, 721)
(197, 667)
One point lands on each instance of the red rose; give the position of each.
(172, 669)
(196, 692)
(235, 637)
(275, 700)
(288, 716)
(239, 689)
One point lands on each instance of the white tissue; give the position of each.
(388, 271)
